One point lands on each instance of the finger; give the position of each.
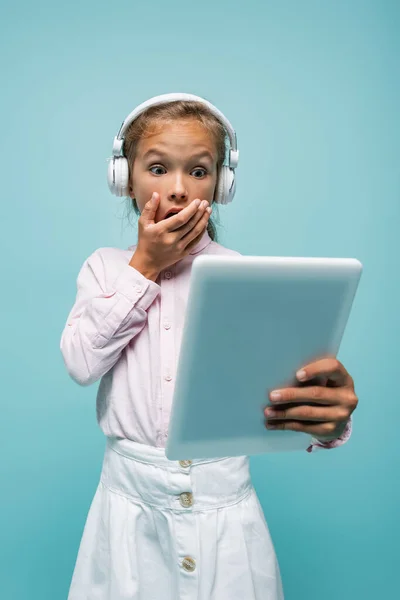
(195, 234)
(194, 242)
(150, 209)
(314, 429)
(329, 367)
(188, 227)
(196, 224)
(181, 219)
(316, 394)
(318, 380)
(307, 413)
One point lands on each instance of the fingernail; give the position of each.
(301, 375)
(276, 396)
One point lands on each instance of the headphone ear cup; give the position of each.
(122, 176)
(110, 175)
(226, 186)
(232, 185)
(118, 176)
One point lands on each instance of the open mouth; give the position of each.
(171, 214)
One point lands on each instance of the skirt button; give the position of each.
(185, 463)
(186, 499)
(188, 563)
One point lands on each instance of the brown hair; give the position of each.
(171, 111)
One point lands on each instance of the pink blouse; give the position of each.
(125, 330)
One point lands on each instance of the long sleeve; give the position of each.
(110, 309)
(316, 444)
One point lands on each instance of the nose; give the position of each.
(178, 192)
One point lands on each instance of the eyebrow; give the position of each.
(201, 154)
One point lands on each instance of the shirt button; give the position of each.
(185, 463)
(168, 378)
(189, 564)
(167, 325)
(186, 499)
(168, 274)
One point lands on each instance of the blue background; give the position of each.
(312, 89)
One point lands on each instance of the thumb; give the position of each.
(150, 208)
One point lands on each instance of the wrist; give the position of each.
(144, 267)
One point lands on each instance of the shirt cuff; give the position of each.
(317, 444)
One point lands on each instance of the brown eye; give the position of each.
(201, 171)
(156, 167)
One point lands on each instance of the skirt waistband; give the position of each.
(151, 454)
(144, 474)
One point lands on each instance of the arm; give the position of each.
(104, 317)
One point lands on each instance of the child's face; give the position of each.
(174, 170)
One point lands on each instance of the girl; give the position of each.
(160, 529)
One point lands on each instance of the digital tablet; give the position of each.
(251, 322)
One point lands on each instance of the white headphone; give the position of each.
(118, 172)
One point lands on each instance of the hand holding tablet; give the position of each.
(322, 409)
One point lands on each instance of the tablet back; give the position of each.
(251, 322)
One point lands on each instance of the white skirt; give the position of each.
(174, 530)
